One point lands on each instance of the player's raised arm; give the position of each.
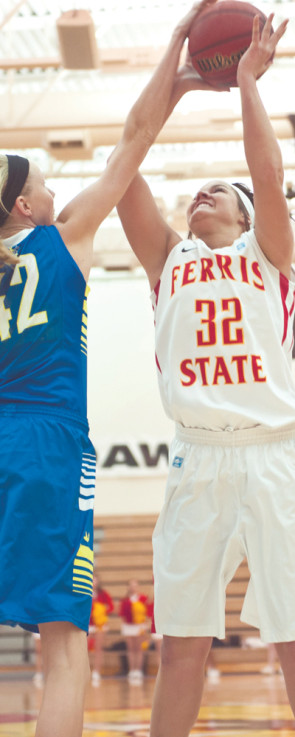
(272, 224)
(82, 216)
(148, 233)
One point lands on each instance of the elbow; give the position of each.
(139, 141)
(144, 133)
(142, 127)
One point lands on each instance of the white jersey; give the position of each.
(224, 337)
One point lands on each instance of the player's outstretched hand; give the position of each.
(187, 77)
(185, 24)
(259, 56)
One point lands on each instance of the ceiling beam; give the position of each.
(11, 13)
(112, 60)
(173, 171)
(178, 129)
(30, 63)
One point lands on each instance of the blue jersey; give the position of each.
(43, 329)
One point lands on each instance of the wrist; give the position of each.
(246, 78)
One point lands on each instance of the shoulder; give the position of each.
(245, 240)
(248, 246)
(265, 263)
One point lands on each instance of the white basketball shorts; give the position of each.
(229, 495)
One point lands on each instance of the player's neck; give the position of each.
(221, 238)
(12, 228)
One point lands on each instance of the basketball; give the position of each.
(219, 37)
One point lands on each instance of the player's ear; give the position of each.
(244, 220)
(22, 206)
(247, 220)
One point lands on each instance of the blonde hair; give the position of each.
(6, 256)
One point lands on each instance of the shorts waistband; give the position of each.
(19, 410)
(231, 437)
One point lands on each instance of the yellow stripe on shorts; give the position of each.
(83, 571)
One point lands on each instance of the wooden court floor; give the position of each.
(247, 705)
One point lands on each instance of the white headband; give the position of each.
(248, 204)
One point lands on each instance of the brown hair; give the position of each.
(242, 207)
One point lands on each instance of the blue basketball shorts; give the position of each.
(47, 484)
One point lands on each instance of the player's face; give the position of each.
(214, 204)
(40, 197)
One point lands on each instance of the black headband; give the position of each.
(18, 169)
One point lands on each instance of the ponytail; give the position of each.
(7, 257)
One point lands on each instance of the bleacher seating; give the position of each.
(123, 550)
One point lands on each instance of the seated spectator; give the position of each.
(102, 606)
(134, 612)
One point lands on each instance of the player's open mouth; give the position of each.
(202, 203)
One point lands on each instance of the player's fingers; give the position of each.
(201, 4)
(274, 39)
(196, 9)
(279, 31)
(255, 29)
(266, 31)
(186, 22)
(207, 2)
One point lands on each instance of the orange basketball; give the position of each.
(219, 37)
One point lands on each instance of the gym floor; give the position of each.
(252, 705)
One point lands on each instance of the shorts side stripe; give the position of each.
(83, 564)
(86, 504)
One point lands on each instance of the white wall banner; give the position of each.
(131, 457)
(128, 427)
